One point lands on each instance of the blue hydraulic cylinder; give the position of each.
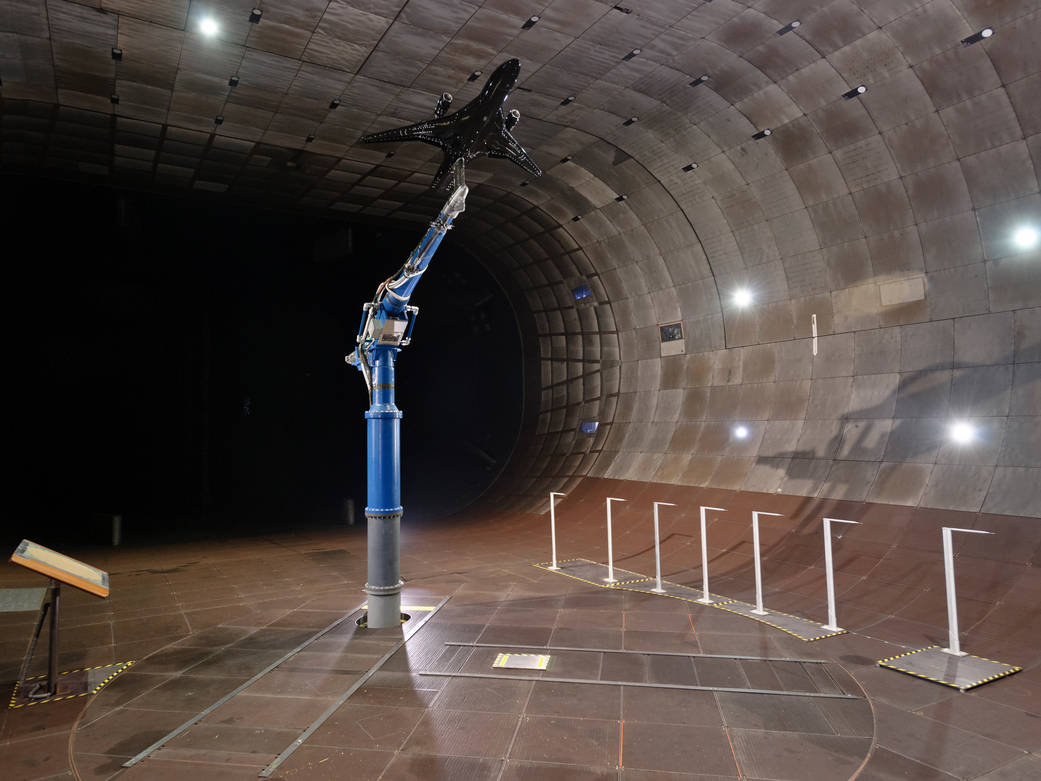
(383, 511)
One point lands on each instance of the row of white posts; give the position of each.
(953, 644)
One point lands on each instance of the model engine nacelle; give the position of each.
(443, 103)
(512, 119)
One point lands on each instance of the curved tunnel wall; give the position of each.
(888, 217)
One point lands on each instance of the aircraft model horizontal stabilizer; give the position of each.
(478, 129)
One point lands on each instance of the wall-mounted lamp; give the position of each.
(1026, 237)
(855, 92)
(763, 133)
(986, 32)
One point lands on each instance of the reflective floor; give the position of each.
(636, 686)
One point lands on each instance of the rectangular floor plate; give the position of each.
(73, 683)
(803, 628)
(522, 661)
(959, 672)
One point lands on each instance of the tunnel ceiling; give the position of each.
(882, 218)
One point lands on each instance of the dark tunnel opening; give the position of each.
(181, 364)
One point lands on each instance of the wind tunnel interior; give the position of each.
(840, 317)
(180, 363)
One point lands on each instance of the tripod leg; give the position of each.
(52, 656)
(32, 645)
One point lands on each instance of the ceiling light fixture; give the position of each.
(742, 297)
(962, 432)
(117, 54)
(789, 27)
(621, 198)
(631, 121)
(700, 80)
(474, 76)
(986, 32)
(254, 15)
(114, 99)
(690, 167)
(218, 120)
(855, 92)
(531, 22)
(630, 55)
(233, 81)
(334, 103)
(567, 100)
(566, 159)
(741, 432)
(207, 26)
(1026, 237)
(763, 133)
(309, 139)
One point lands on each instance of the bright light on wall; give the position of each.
(1026, 237)
(962, 433)
(741, 432)
(742, 296)
(208, 26)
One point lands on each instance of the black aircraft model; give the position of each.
(480, 128)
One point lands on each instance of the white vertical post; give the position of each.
(705, 598)
(953, 643)
(829, 573)
(758, 563)
(553, 526)
(813, 327)
(610, 544)
(657, 547)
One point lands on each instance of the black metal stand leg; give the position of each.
(24, 671)
(52, 651)
(52, 660)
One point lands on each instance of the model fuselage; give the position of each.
(474, 121)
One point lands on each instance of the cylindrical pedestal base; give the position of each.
(384, 586)
(384, 611)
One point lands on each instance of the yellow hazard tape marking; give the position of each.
(120, 667)
(961, 687)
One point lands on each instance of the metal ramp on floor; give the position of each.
(595, 574)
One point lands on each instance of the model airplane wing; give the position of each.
(427, 132)
(505, 147)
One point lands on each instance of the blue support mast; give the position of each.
(386, 327)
